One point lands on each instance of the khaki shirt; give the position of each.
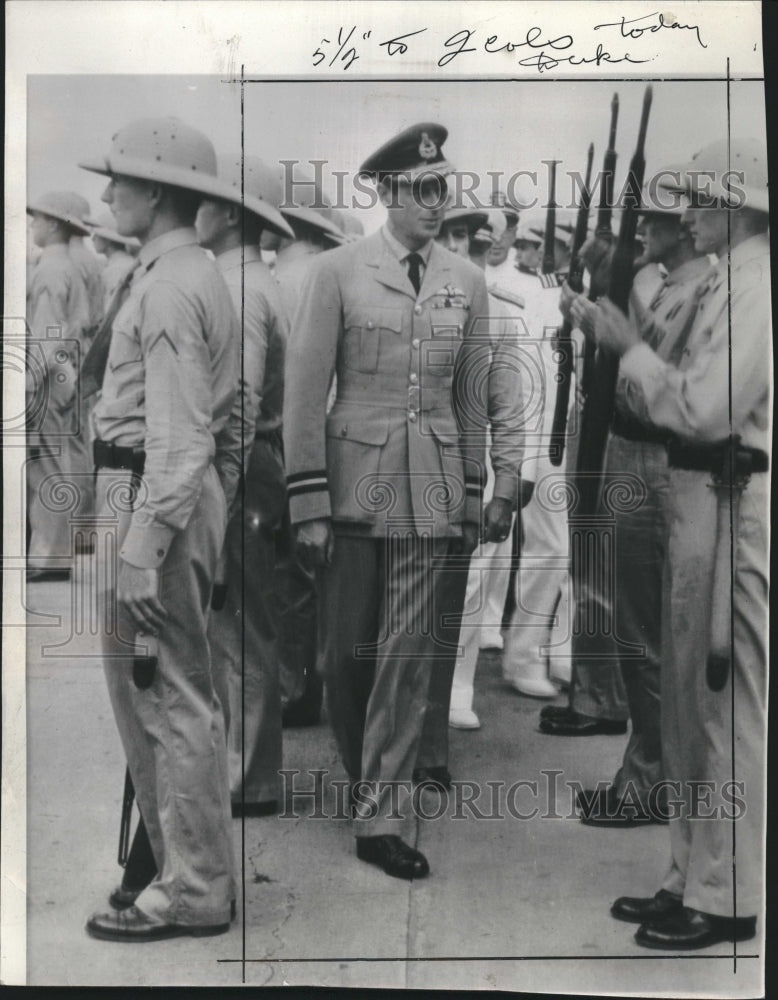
(405, 438)
(257, 300)
(119, 264)
(91, 269)
(57, 301)
(664, 324)
(170, 387)
(693, 399)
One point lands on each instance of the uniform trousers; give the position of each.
(712, 736)
(242, 635)
(542, 581)
(50, 479)
(385, 604)
(173, 732)
(487, 585)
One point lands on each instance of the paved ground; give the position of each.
(511, 903)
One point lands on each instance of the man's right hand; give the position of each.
(315, 542)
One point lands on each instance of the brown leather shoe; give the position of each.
(687, 930)
(645, 910)
(133, 924)
(393, 855)
(122, 899)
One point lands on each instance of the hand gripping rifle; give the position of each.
(598, 408)
(565, 342)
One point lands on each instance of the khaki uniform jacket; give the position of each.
(405, 440)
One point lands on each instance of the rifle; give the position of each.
(566, 356)
(548, 264)
(604, 234)
(598, 408)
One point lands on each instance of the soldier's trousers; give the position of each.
(639, 538)
(54, 491)
(707, 736)
(173, 732)
(542, 579)
(242, 635)
(381, 606)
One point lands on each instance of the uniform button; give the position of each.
(415, 342)
(412, 416)
(370, 324)
(414, 378)
(417, 310)
(160, 552)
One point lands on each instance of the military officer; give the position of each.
(637, 450)
(314, 230)
(58, 317)
(242, 633)
(527, 245)
(387, 489)
(89, 265)
(167, 437)
(716, 402)
(539, 616)
(473, 234)
(119, 253)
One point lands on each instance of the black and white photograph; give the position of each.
(387, 434)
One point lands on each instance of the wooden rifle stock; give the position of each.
(549, 257)
(566, 356)
(598, 409)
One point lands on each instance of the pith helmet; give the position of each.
(712, 171)
(305, 202)
(473, 218)
(165, 150)
(105, 227)
(65, 206)
(349, 225)
(254, 185)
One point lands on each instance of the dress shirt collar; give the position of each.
(238, 256)
(172, 240)
(401, 252)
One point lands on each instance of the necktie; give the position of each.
(93, 368)
(414, 270)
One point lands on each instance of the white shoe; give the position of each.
(534, 687)
(463, 718)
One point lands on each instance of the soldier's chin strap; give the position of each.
(729, 481)
(124, 825)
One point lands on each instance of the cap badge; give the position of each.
(427, 148)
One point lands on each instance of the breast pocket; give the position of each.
(440, 352)
(367, 331)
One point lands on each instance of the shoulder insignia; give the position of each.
(550, 280)
(505, 296)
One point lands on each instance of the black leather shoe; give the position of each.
(603, 807)
(687, 930)
(557, 712)
(647, 910)
(133, 925)
(297, 715)
(393, 855)
(438, 778)
(576, 724)
(253, 809)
